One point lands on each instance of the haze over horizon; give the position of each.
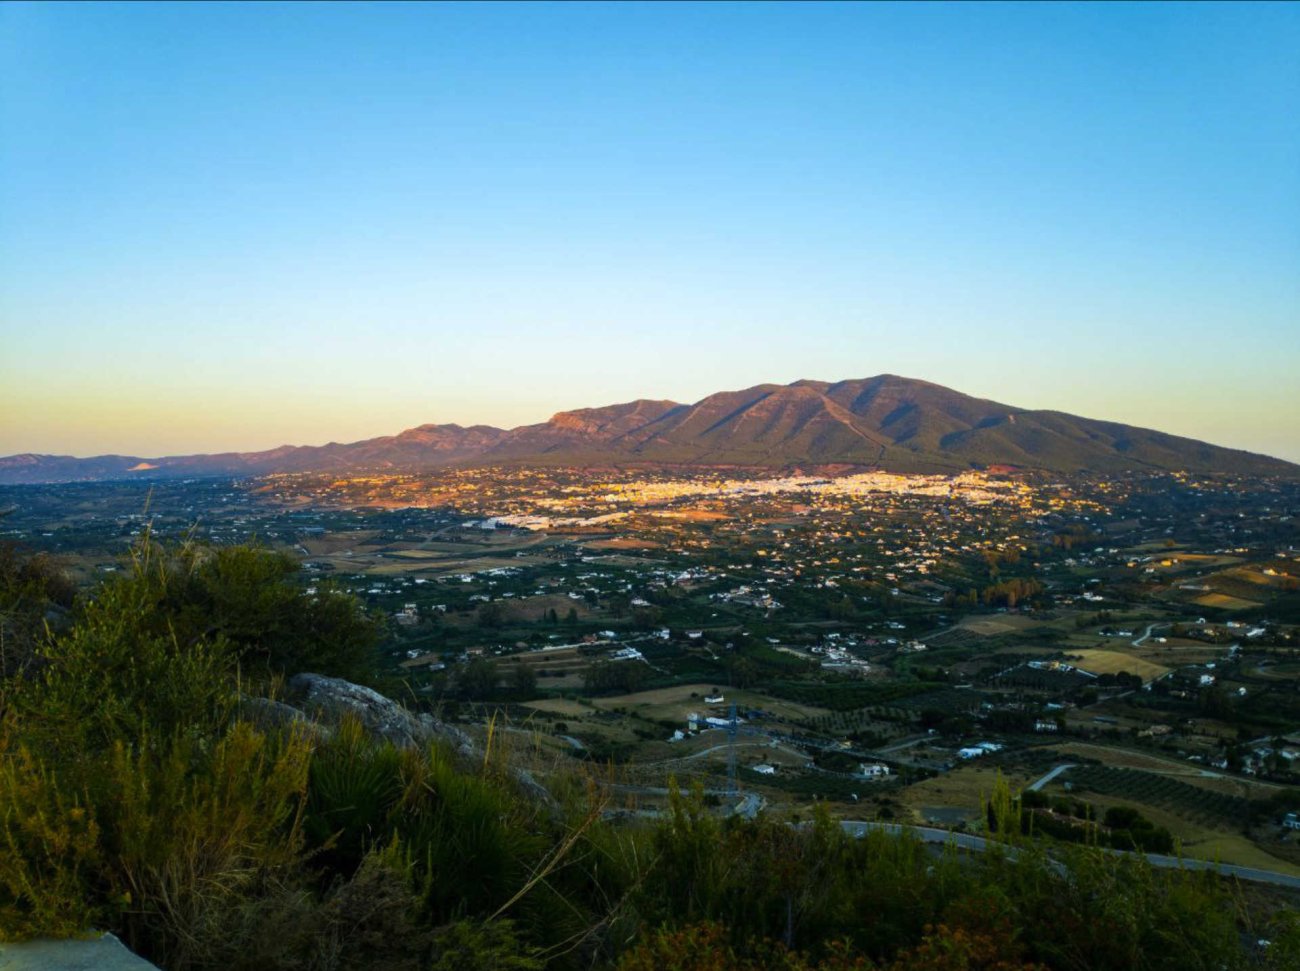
(236, 227)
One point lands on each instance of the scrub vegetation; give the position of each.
(136, 798)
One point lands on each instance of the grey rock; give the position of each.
(327, 701)
(330, 700)
(266, 714)
(531, 787)
(104, 953)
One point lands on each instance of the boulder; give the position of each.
(329, 700)
(104, 953)
(266, 714)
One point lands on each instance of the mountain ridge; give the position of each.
(888, 422)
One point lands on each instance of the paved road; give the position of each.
(749, 806)
(1035, 786)
(929, 834)
(1138, 642)
(926, 834)
(899, 746)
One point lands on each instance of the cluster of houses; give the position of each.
(748, 596)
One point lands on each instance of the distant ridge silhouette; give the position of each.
(887, 422)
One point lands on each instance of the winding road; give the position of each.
(1139, 641)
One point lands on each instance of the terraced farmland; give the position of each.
(1216, 809)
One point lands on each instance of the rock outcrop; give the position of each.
(318, 704)
(328, 701)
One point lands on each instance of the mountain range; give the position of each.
(887, 422)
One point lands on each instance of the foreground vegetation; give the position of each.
(137, 797)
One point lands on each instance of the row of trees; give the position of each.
(1005, 593)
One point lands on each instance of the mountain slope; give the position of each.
(425, 446)
(894, 423)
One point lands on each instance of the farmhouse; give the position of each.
(978, 749)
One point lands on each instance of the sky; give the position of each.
(237, 226)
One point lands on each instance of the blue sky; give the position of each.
(233, 226)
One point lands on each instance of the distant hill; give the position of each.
(888, 422)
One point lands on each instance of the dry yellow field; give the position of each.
(1113, 662)
(561, 706)
(441, 566)
(963, 788)
(1222, 600)
(1261, 579)
(997, 625)
(623, 543)
(692, 515)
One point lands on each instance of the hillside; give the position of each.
(898, 424)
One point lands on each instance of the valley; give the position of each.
(885, 646)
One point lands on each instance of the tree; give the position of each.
(523, 680)
(478, 679)
(491, 614)
(248, 597)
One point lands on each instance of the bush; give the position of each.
(30, 587)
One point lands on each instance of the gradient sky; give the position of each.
(241, 225)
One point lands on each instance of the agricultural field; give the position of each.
(1114, 662)
(963, 792)
(1222, 601)
(590, 612)
(1206, 824)
(675, 703)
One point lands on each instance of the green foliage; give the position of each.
(705, 946)
(30, 586)
(523, 682)
(113, 677)
(609, 677)
(478, 679)
(243, 597)
(49, 856)
(491, 615)
(247, 596)
(160, 839)
(462, 839)
(133, 799)
(470, 945)
(192, 830)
